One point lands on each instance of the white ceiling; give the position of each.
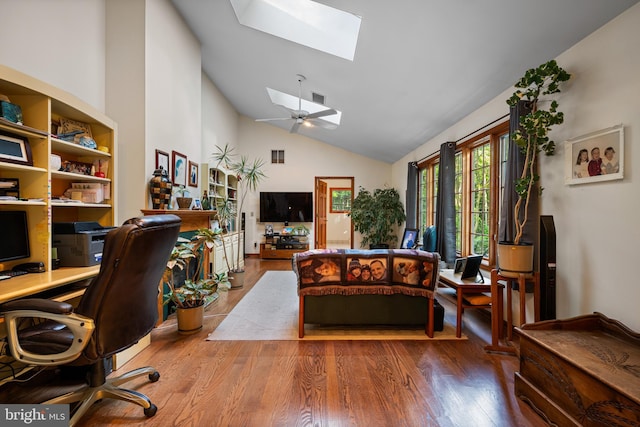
(419, 67)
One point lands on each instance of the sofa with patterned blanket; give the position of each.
(368, 287)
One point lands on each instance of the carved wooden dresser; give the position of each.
(581, 371)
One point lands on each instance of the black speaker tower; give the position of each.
(547, 266)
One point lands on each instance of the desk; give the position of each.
(33, 283)
(469, 287)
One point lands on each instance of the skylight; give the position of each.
(291, 102)
(304, 22)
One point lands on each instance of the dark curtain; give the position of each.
(513, 170)
(445, 209)
(411, 198)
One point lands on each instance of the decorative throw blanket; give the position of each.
(358, 272)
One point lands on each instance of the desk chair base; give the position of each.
(89, 395)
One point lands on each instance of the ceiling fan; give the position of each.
(301, 116)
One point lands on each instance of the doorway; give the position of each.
(333, 228)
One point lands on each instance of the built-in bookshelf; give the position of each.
(42, 184)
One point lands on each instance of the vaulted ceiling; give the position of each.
(419, 66)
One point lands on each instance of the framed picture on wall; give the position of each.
(597, 156)
(179, 171)
(193, 174)
(162, 161)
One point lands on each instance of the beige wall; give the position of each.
(596, 224)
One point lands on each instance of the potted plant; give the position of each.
(191, 297)
(374, 216)
(249, 175)
(183, 197)
(532, 137)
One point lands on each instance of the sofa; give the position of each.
(368, 287)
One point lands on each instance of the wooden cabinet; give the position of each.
(283, 246)
(41, 184)
(231, 243)
(580, 371)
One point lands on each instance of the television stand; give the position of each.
(282, 246)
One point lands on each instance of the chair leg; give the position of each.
(109, 389)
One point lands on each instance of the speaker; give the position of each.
(243, 222)
(547, 265)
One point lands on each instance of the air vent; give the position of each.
(317, 98)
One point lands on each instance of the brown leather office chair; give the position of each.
(117, 309)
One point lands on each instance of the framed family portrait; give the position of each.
(179, 169)
(193, 174)
(597, 156)
(162, 161)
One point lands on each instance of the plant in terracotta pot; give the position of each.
(532, 136)
(375, 216)
(249, 174)
(191, 297)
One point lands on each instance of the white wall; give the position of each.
(60, 42)
(305, 159)
(219, 120)
(596, 224)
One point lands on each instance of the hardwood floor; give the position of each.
(320, 383)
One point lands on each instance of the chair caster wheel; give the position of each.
(154, 376)
(151, 410)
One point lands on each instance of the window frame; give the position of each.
(464, 148)
(332, 203)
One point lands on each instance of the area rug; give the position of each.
(269, 311)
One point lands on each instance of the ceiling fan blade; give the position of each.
(322, 113)
(295, 126)
(274, 119)
(322, 124)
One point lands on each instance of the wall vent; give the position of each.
(317, 98)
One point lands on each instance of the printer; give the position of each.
(79, 244)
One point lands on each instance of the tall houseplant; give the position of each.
(249, 175)
(532, 136)
(374, 215)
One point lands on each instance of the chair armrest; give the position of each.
(81, 328)
(39, 304)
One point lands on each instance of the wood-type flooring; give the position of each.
(320, 383)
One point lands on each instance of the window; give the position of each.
(277, 156)
(479, 168)
(340, 200)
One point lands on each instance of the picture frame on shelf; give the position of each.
(179, 168)
(607, 145)
(15, 149)
(197, 205)
(193, 174)
(68, 125)
(162, 161)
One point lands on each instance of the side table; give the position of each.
(496, 306)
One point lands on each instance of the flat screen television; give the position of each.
(286, 206)
(15, 241)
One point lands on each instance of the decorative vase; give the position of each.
(160, 187)
(190, 320)
(184, 202)
(515, 259)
